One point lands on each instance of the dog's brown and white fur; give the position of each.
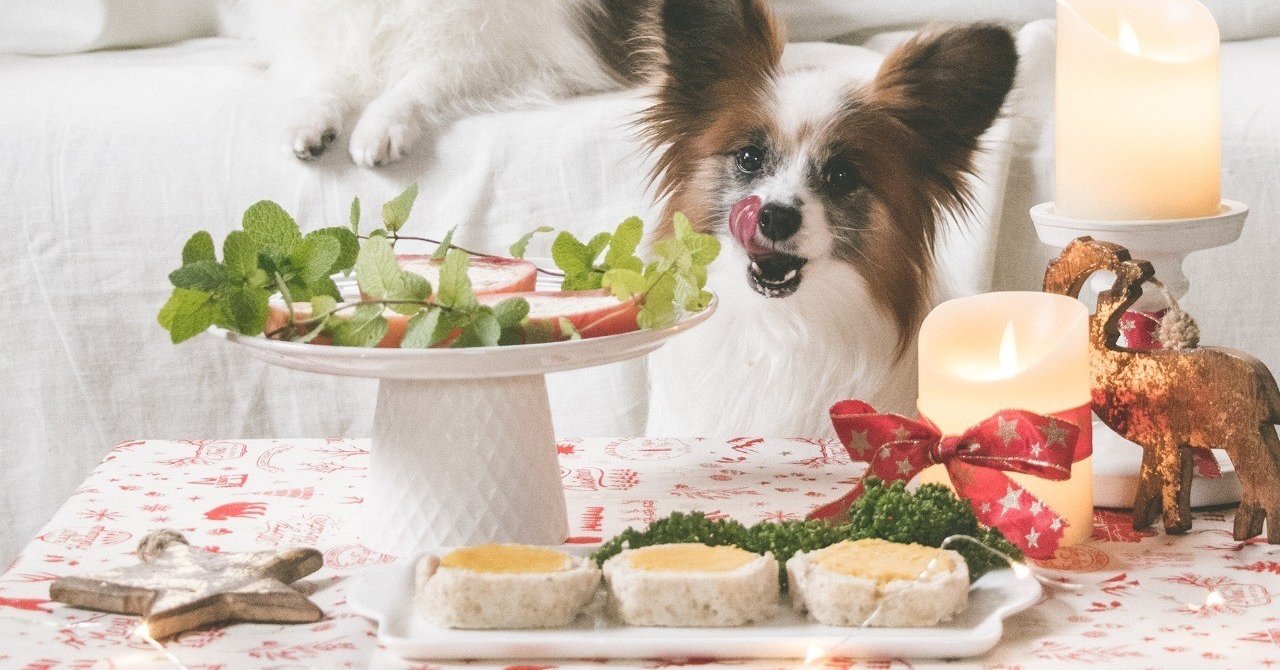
(828, 195)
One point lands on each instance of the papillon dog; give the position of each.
(828, 194)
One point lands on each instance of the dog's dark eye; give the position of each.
(840, 176)
(750, 158)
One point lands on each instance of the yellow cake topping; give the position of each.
(690, 558)
(883, 561)
(506, 558)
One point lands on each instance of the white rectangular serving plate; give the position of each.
(385, 594)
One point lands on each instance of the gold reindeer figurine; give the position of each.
(1170, 401)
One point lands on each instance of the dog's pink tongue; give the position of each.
(744, 220)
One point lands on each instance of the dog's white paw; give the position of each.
(380, 139)
(313, 131)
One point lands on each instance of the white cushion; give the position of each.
(46, 27)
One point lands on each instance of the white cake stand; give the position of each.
(463, 449)
(1165, 243)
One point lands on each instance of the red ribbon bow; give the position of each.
(897, 448)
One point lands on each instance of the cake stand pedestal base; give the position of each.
(463, 449)
(463, 461)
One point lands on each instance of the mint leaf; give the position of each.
(659, 309)
(208, 276)
(314, 256)
(511, 312)
(570, 255)
(445, 244)
(365, 328)
(703, 249)
(455, 286)
(377, 272)
(680, 223)
(179, 299)
(448, 325)
(355, 216)
(348, 247)
(624, 283)
(622, 248)
(396, 211)
(240, 255)
(421, 332)
(269, 225)
(243, 309)
(324, 286)
(198, 248)
(595, 245)
(381, 278)
(582, 281)
(322, 305)
(483, 330)
(409, 287)
(521, 245)
(186, 314)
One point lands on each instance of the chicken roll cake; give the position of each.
(879, 583)
(691, 585)
(505, 586)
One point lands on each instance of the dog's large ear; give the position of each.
(713, 51)
(947, 89)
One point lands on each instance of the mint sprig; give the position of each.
(581, 263)
(672, 283)
(270, 256)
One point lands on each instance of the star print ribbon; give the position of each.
(897, 448)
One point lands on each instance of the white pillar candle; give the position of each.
(1137, 127)
(1015, 350)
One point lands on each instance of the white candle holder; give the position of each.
(1165, 244)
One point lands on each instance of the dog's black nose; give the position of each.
(778, 222)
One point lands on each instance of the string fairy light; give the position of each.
(144, 632)
(96, 622)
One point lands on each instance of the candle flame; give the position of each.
(1128, 37)
(1008, 352)
(815, 654)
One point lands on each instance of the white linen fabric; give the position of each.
(110, 160)
(42, 27)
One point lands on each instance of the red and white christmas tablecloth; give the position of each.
(1148, 600)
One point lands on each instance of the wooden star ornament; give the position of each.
(178, 587)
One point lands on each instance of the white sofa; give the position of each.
(111, 159)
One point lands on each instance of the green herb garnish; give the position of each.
(885, 511)
(271, 257)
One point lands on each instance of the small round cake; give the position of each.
(505, 586)
(879, 583)
(691, 585)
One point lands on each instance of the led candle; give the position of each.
(1018, 350)
(1137, 127)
